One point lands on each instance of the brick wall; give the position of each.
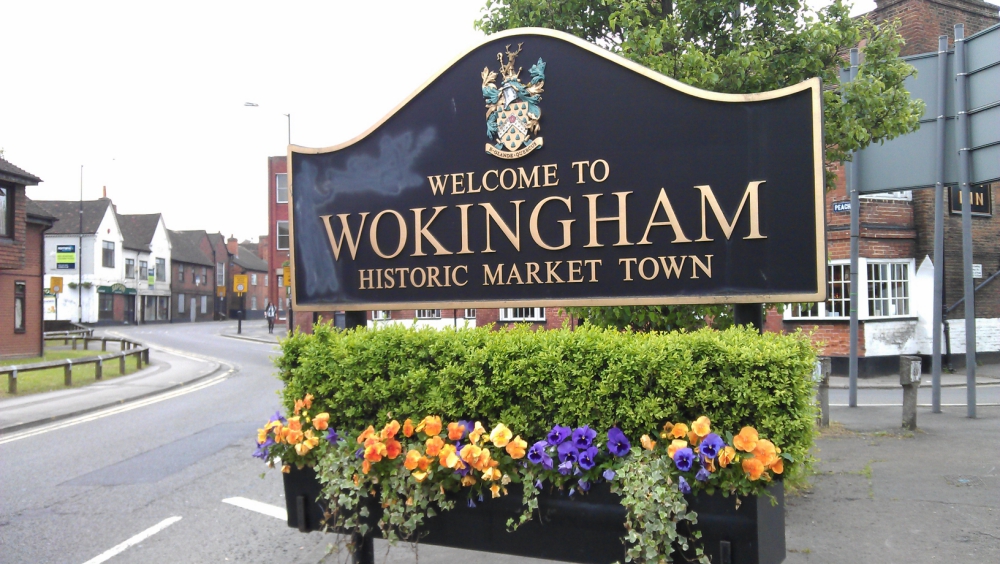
(922, 21)
(185, 285)
(833, 338)
(31, 240)
(12, 249)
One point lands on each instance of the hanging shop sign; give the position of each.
(567, 176)
(980, 195)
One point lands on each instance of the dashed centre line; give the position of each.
(258, 506)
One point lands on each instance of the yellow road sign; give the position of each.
(240, 283)
(56, 284)
(287, 275)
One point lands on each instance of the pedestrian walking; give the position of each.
(269, 314)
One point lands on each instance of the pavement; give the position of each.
(168, 370)
(986, 374)
(254, 330)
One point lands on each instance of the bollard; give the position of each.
(99, 369)
(104, 345)
(145, 356)
(123, 345)
(909, 378)
(822, 377)
(68, 373)
(12, 382)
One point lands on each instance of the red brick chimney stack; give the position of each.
(233, 245)
(922, 21)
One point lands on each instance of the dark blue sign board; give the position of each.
(540, 169)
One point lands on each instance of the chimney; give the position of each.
(104, 193)
(233, 245)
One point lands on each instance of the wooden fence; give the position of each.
(127, 348)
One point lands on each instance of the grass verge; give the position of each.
(50, 379)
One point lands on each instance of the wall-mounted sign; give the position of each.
(66, 257)
(644, 191)
(151, 276)
(842, 206)
(977, 271)
(220, 291)
(981, 196)
(56, 284)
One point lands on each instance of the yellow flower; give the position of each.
(261, 435)
(679, 431)
(746, 440)
(500, 435)
(702, 426)
(476, 433)
(495, 490)
(321, 421)
(726, 456)
(676, 445)
(753, 468)
(517, 448)
(412, 459)
(647, 443)
(492, 474)
(419, 476)
(468, 480)
(407, 428)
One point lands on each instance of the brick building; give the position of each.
(896, 274)
(242, 260)
(275, 244)
(22, 261)
(537, 317)
(192, 280)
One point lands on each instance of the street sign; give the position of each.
(240, 283)
(635, 196)
(56, 284)
(66, 257)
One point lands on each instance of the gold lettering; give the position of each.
(486, 186)
(352, 240)
(574, 271)
(513, 236)
(457, 180)
(673, 268)
(696, 263)
(532, 273)
(373, 234)
(390, 282)
(379, 273)
(366, 279)
(423, 277)
(432, 277)
(402, 276)
(471, 191)
(513, 179)
(607, 170)
(447, 280)
(514, 274)
(464, 209)
(628, 267)
(579, 170)
(550, 268)
(533, 224)
(526, 181)
(438, 184)
(980, 200)
(642, 270)
(492, 278)
(420, 232)
(593, 268)
(550, 173)
(620, 218)
(454, 275)
(663, 202)
(727, 228)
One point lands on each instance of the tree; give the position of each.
(740, 47)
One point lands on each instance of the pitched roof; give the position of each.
(138, 230)
(67, 214)
(38, 214)
(17, 175)
(185, 247)
(249, 261)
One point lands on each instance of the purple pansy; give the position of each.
(568, 452)
(360, 453)
(469, 425)
(583, 437)
(277, 417)
(711, 445)
(702, 475)
(683, 485)
(684, 459)
(332, 437)
(558, 435)
(618, 443)
(262, 449)
(609, 474)
(584, 485)
(537, 452)
(565, 468)
(586, 458)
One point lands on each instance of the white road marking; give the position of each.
(918, 405)
(259, 507)
(114, 410)
(119, 548)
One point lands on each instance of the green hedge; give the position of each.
(530, 380)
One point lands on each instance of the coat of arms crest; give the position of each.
(512, 110)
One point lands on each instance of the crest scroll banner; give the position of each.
(642, 191)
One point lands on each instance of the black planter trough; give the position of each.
(580, 528)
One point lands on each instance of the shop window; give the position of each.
(281, 187)
(163, 306)
(20, 291)
(161, 270)
(282, 239)
(428, 314)
(105, 306)
(533, 314)
(108, 254)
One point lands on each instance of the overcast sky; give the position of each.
(149, 97)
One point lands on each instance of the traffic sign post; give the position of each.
(56, 286)
(240, 284)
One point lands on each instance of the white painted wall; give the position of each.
(987, 335)
(890, 338)
(443, 323)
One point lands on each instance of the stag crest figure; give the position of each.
(512, 110)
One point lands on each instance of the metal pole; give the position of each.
(289, 116)
(939, 224)
(964, 172)
(79, 258)
(852, 189)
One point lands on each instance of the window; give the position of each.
(838, 296)
(180, 274)
(20, 289)
(108, 254)
(470, 314)
(281, 280)
(253, 302)
(180, 303)
(129, 268)
(428, 314)
(904, 195)
(6, 211)
(143, 269)
(281, 187)
(522, 314)
(888, 289)
(220, 274)
(105, 306)
(380, 315)
(266, 276)
(161, 270)
(204, 304)
(253, 279)
(282, 240)
(204, 276)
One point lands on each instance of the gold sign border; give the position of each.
(813, 84)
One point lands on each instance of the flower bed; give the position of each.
(627, 385)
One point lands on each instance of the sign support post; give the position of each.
(939, 151)
(852, 188)
(962, 133)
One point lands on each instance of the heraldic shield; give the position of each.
(512, 125)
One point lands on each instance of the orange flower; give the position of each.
(468, 480)
(746, 440)
(778, 466)
(375, 451)
(676, 445)
(430, 425)
(647, 443)
(321, 421)
(470, 454)
(280, 433)
(726, 456)
(702, 426)
(455, 431)
(364, 436)
(412, 459)
(293, 437)
(366, 467)
(765, 452)
(753, 468)
(476, 433)
(390, 430)
(424, 463)
(492, 474)
(299, 404)
(693, 438)
(308, 401)
(261, 435)
(393, 448)
(679, 431)
(294, 424)
(407, 428)
(434, 445)
(286, 469)
(517, 447)
(495, 490)
(709, 465)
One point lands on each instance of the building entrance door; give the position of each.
(130, 309)
(193, 305)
